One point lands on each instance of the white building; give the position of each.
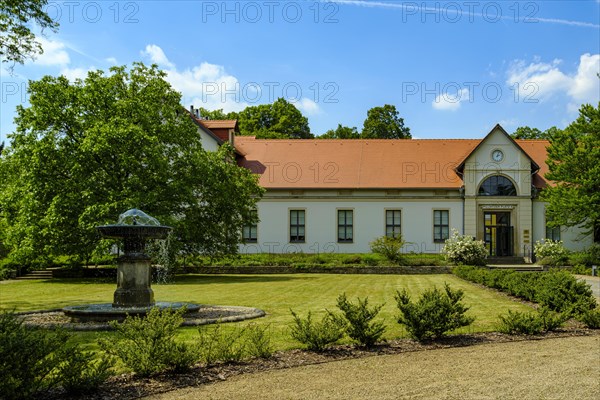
(339, 195)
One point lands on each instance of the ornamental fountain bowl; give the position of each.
(134, 295)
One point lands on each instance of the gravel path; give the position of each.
(565, 368)
(593, 281)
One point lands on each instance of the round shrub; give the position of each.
(464, 249)
(551, 252)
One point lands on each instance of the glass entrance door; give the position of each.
(498, 234)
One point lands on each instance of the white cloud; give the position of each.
(156, 55)
(540, 81)
(450, 102)
(206, 85)
(54, 53)
(76, 73)
(307, 106)
(111, 60)
(586, 85)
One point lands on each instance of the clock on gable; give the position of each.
(497, 155)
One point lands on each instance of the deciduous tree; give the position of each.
(84, 152)
(384, 123)
(278, 120)
(17, 41)
(574, 166)
(341, 132)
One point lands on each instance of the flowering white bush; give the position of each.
(552, 252)
(464, 249)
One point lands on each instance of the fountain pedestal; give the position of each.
(133, 283)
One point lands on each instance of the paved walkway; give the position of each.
(593, 281)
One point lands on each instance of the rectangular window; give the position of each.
(250, 230)
(297, 226)
(393, 223)
(345, 226)
(553, 233)
(441, 226)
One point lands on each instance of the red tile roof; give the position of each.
(365, 164)
(219, 123)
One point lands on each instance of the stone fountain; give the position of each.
(134, 295)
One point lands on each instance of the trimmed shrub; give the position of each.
(316, 336)
(591, 318)
(258, 342)
(82, 372)
(521, 323)
(389, 247)
(148, 346)
(464, 249)
(561, 291)
(434, 314)
(29, 358)
(219, 344)
(356, 320)
(556, 289)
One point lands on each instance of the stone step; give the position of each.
(505, 260)
(42, 274)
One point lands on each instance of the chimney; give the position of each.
(192, 109)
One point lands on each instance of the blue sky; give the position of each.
(452, 69)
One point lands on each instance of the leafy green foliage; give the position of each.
(216, 343)
(591, 318)
(556, 289)
(17, 42)
(389, 247)
(147, 345)
(464, 249)
(316, 336)
(525, 132)
(516, 322)
(341, 132)
(258, 343)
(551, 252)
(384, 123)
(82, 371)
(356, 320)
(521, 323)
(36, 360)
(279, 120)
(573, 164)
(433, 314)
(84, 152)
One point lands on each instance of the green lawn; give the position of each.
(276, 294)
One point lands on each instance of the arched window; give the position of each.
(497, 185)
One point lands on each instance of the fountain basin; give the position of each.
(106, 312)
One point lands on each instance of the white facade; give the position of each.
(510, 224)
(369, 212)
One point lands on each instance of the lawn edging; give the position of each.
(392, 270)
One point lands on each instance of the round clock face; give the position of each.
(497, 155)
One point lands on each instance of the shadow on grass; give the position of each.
(221, 279)
(185, 280)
